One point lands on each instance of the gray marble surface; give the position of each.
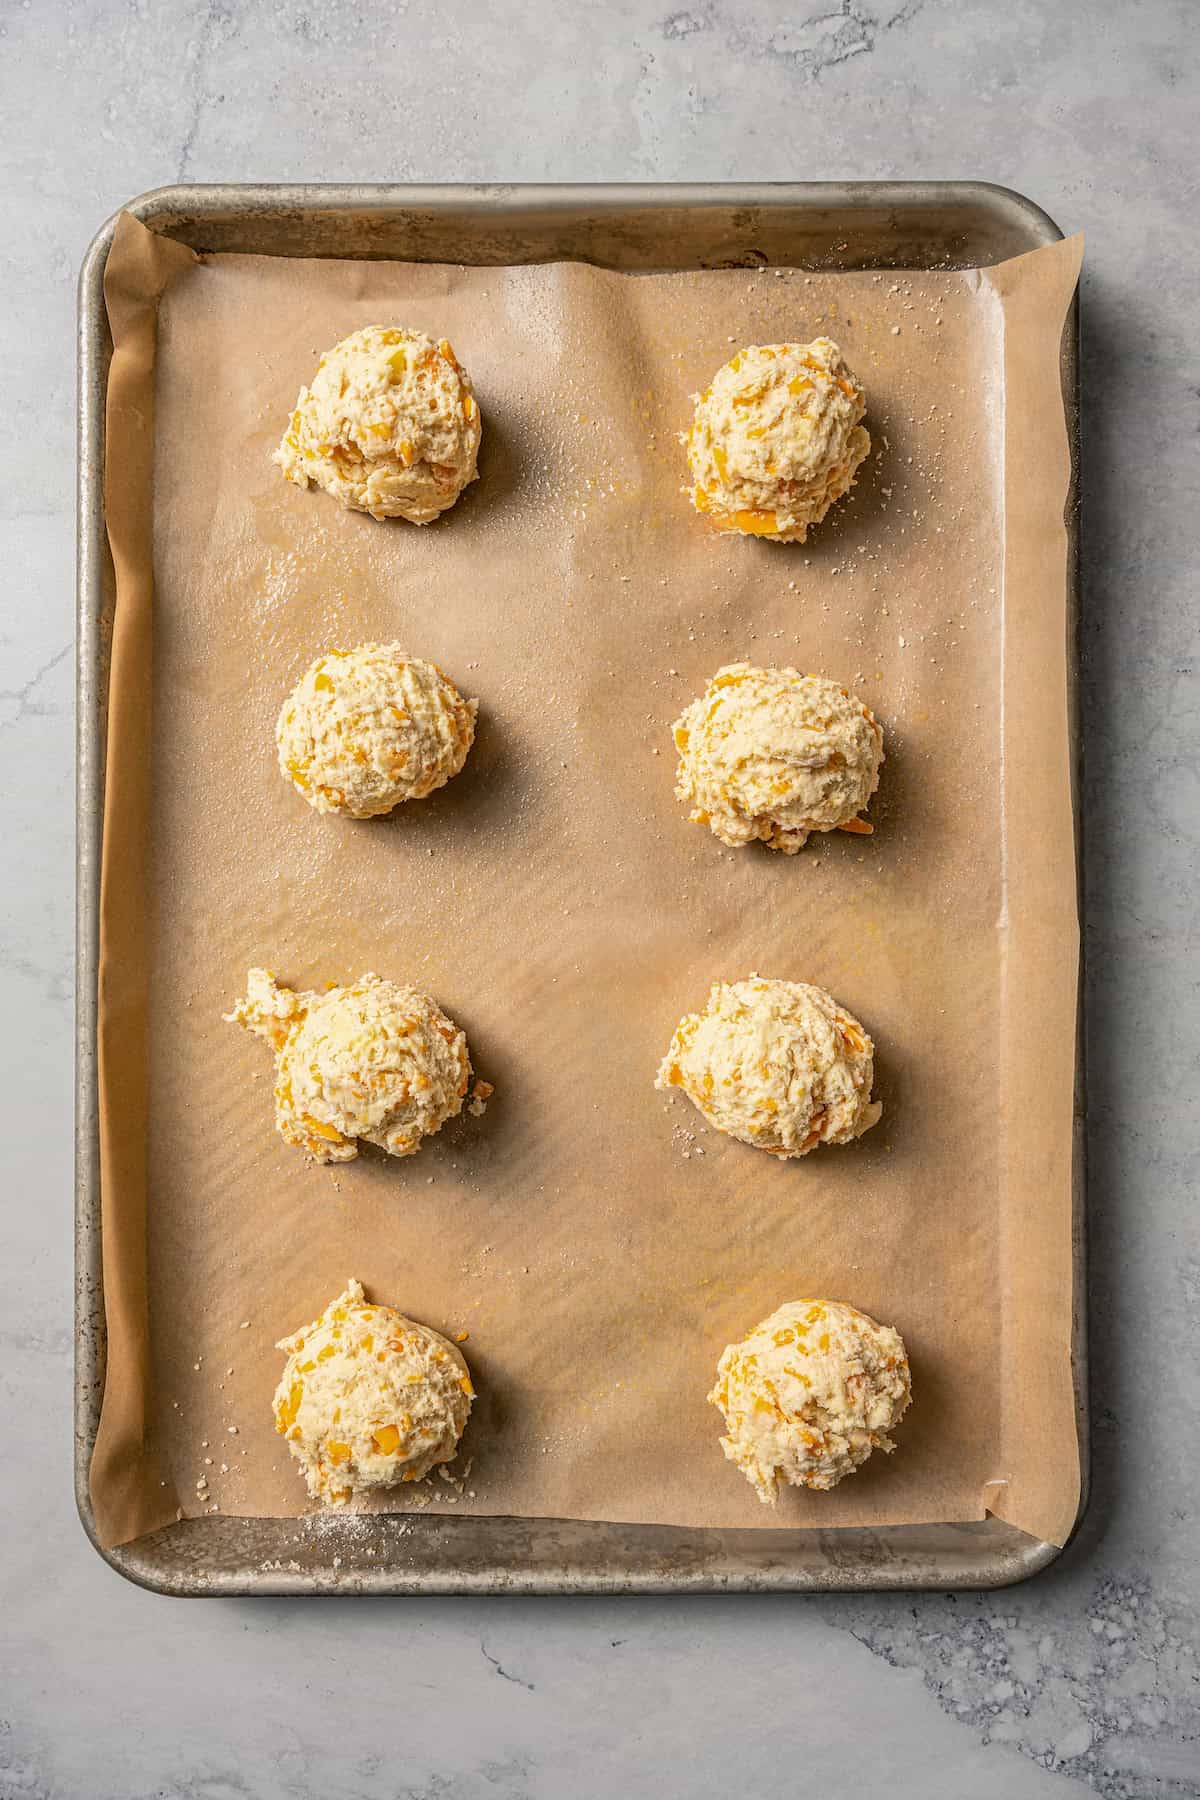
(1087, 1678)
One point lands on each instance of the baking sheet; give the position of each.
(555, 901)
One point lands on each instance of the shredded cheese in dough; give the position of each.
(366, 729)
(368, 1398)
(373, 1061)
(772, 755)
(809, 1394)
(776, 439)
(777, 1064)
(390, 426)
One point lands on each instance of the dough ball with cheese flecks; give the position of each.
(368, 1398)
(809, 1395)
(373, 1061)
(777, 1064)
(390, 426)
(366, 729)
(772, 755)
(776, 439)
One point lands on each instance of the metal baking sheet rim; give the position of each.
(971, 222)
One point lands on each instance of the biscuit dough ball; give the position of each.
(374, 1060)
(771, 754)
(366, 729)
(777, 1064)
(368, 1398)
(809, 1394)
(776, 439)
(389, 426)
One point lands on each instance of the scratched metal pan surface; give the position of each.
(848, 225)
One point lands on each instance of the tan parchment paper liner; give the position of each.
(599, 1244)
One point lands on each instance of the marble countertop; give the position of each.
(1087, 1677)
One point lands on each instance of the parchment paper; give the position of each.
(599, 1244)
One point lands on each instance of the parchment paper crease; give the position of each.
(597, 1243)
